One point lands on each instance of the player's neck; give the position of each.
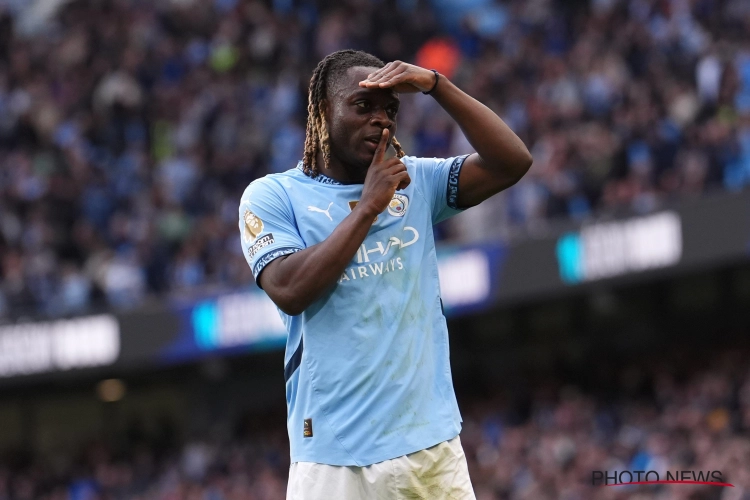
(338, 171)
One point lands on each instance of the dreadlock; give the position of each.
(328, 70)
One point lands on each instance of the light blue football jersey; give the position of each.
(367, 366)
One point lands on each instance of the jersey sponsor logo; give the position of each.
(398, 205)
(253, 226)
(373, 269)
(371, 256)
(381, 248)
(259, 244)
(320, 210)
(353, 204)
(307, 429)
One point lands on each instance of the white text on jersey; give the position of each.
(363, 253)
(361, 272)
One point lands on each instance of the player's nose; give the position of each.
(380, 118)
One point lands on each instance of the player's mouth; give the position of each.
(372, 141)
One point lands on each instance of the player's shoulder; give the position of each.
(275, 185)
(419, 163)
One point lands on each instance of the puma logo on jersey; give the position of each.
(320, 210)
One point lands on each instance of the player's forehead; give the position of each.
(347, 85)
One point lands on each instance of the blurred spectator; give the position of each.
(544, 445)
(128, 129)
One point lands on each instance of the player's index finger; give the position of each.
(382, 146)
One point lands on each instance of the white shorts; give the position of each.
(436, 473)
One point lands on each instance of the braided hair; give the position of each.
(328, 70)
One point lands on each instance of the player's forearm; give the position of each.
(495, 143)
(296, 281)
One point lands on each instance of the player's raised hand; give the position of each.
(402, 77)
(384, 176)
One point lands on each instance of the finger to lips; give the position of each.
(382, 146)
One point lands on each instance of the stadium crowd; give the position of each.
(544, 446)
(129, 128)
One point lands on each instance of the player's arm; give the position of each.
(501, 158)
(295, 281)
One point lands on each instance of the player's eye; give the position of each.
(393, 110)
(362, 104)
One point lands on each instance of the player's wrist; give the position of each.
(367, 210)
(433, 82)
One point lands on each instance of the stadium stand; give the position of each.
(545, 447)
(129, 129)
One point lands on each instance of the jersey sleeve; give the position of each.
(267, 226)
(437, 178)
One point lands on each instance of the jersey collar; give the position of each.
(320, 177)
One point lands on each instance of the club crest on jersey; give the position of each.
(398, 205)
(353, 204)
(253, 226)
